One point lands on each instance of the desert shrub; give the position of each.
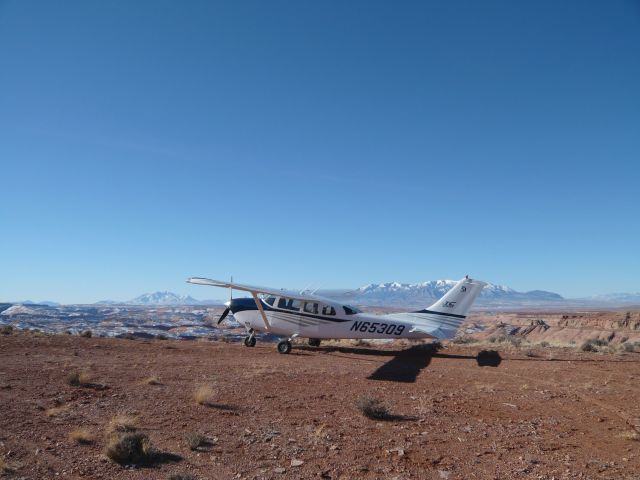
(372, 408)
(6, 330)
(204, 395)
(129, 448)
(628, 347)
(463, 340)
(196, 441)
(81, 436)
(593, 344)
(122, 424)
(359, 342)
(161, 336)
(498, 339)
(515, 341)
(152, 381)
(544, 344)
(86, 334)
(181, 476)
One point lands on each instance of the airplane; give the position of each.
(290, 315)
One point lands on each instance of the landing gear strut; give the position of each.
(250, 340)
(284, 346)
(314, 342)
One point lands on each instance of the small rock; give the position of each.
(296, 463)
(279, 470)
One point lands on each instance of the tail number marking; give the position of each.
(375, 327)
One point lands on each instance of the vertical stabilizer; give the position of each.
(458, 300)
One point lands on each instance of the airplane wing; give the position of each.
(251, 288)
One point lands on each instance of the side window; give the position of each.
(270, 300)
(311, 307)
(289, 303)
(328, 310)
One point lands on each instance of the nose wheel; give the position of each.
(250, 340)
(284, 346)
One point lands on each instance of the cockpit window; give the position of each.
(289, 303)
(328, 310)
(311, 307)
(270, 300)
(349, 310)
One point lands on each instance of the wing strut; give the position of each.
(259, 305)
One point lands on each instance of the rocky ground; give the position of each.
(542, 413)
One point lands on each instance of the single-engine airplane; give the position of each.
(290, 315)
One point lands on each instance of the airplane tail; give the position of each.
(458, 300)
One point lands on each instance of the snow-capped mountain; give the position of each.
(163, 298)
(423, 293)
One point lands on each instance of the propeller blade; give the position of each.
(224, 315)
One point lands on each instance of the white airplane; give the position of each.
(290, 315)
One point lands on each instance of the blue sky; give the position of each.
(330, 143)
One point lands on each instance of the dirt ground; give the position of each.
(549, 413)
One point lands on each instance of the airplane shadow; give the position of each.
(406, 365)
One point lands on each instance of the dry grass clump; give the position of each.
(81, 436)
(55, 411)
(79, 378)
(132, 448)
(204, 395)
(58, 408)
(630, 435)
(4, 467)
(197, 441)
(122, 424)
(372, 408)
(6, 330)
(151, 381)
(86, 334)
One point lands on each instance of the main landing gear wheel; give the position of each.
(250, 341)
(314, 342)
(284, 346)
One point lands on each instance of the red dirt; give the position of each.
(558, 414)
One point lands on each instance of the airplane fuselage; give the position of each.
(321, 321)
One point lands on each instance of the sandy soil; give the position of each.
(548, 414)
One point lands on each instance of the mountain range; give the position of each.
(410, 295)
(162, 298)
(421, 294)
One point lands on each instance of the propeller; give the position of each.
(228, 305)
(224, 314)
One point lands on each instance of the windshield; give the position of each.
(349, 310)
